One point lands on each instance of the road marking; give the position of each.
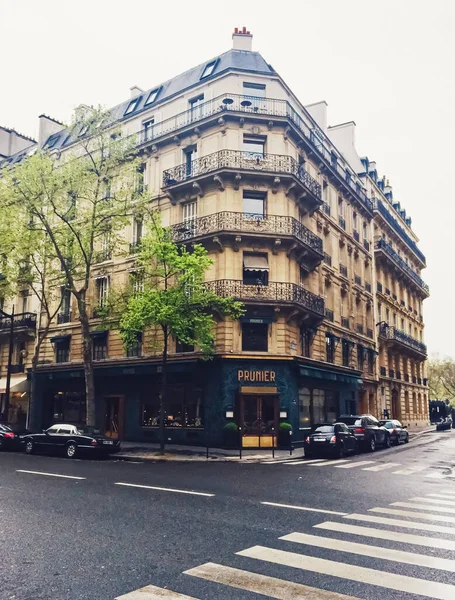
(49, 474)
(264, 585)
(434, 501)
(304, 462)
(401, 583)
(330, 462)
(163, 489)
(409, 558)
(318, 510)
(415, 515)
(355, 464)
(411, 470)
(444, 496)
(150, 592)
(383, 534)
(401, 523)
(382, 467)
(447, 509)
(435, 475)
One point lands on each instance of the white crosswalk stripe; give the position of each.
(303, 462)
(443, 496)
(401, 523)
(415, 515)
(150, 592)
(418, 506)
(411, 470)
(353, 465)
(434, 501)
(385, 534)
(401, 583)
(382, 467)
(328, 463)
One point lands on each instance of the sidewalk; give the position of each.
(134, 451)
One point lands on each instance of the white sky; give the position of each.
(389, 66)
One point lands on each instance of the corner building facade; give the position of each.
(234, 161)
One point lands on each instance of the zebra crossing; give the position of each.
(344, 539)
(394, 468)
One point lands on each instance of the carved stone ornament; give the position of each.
(342, 241)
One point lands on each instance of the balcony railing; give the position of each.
(345, 322)
(326, 208)
(236, 103)
(329, 314)
(249, 161)
(379, 206)
(281, 292)
(238, 222)
(63, 317)
(327, 259)
(21, 320)
(387, 248)
(392, 333)
(342, 222)
(343, 270)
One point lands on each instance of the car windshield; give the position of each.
(387, 424)
(350, 420)
(88, 430)
(325, 429)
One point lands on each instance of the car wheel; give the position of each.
(372, 444)
(29, 447)
(406, 439)
(70, 450)
(387, 442)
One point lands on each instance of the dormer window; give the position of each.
(52, 140)
(209, 68)
(132, 106)
(152, 96)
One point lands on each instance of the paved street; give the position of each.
(374, 526)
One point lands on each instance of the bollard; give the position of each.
(240, 442)
(290, 442)
(273, 442)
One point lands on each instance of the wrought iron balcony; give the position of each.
(329, 314)
(396, 335)
(21, 321)
(249, 223)
(237, 160)
(382, 245)
(379, 206)
(276, 292)
(64, 317)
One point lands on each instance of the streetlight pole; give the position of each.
(10, 360)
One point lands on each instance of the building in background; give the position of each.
(234, 161)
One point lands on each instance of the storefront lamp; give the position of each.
(283, 414)
(229, 414)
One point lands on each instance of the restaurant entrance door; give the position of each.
(259, 420)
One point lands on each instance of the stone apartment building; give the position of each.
(296, 228)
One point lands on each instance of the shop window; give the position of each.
(254, 204)
(69, 407)
(254, 337)
(184, 408)
(100, 346)
(305, 343)
(255, 269)
(346, 352)
(330, 348)
(304, 407)
(318, 407)
(62, 351)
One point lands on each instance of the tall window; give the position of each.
(319, 412)
(254, 145)
(346, 352)
(256, 93)
(102, 290)
(365, 231)
(340, 207)
(387, 316)
(196, 107)
(360, 356)
(24, 302)
(304, 407)
(135, 350)
(62, 350)
(65, 296)
(371, 361)
(140, 185)
(254, 204)
(189, 211)
(190, 155)
(137, 231)
(100, 346)
(305, 343)
(330, 347)
(137, 281)
(354, 220)
(380, 311)
(148, 128)
(255, 269)
(254, 337)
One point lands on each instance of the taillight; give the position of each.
(94, 442)
(9, 434)
(360, 430)
(307, 441)
(394, 431)
(333, 439)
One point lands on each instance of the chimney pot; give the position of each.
(242, 39)
(236, 30)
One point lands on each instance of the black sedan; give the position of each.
(12, 436)
(334, 439)
(397, 431)
(70, 440)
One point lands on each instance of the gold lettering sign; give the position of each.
(256, 376)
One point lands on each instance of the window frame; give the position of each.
(250, 85)
(132, 106)
(154, 95)
(210, 67)
(262, 276)
(253, 195)
(249, 336)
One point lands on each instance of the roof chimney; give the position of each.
(135, 91)
(242, 39)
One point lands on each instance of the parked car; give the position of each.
(12, 436)
(445, 423)
(70, 440)
(335, 439)
(368, 430)
(397, 431)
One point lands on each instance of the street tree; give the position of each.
(441, 378)
(81, 200)
(170, 296)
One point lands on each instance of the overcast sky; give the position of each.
(387, 65)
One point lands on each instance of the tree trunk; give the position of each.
(163, 393)
(32, 418)
(87, 355)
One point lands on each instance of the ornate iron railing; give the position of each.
(378, 205)
(237, 159)
(246, 223)
(387, 248)
(27, 320)
(64, 317)
(275, 291)
(392, 333)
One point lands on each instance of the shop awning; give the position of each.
(18, 383)
(330, 376)
(255, 263)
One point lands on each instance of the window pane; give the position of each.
(253, 205)
(150, 410)
(254, 337)
(194, 413)
(254, 146)
(304, 407)
(318, 406)
(174, 412)
(254, 89)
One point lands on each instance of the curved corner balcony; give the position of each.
(385, 249)
(283, 231)
(276, 293)
(403, 341)
(25, 322)
(237, 166)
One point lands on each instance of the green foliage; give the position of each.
(174, 296)
(441, 378)
(231, 427)
(285, 426)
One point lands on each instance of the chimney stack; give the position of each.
(135, 91)
(242, 39)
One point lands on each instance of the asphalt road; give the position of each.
(86, 537)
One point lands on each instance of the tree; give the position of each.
(172, 297)
(81, 201)
(441, 378)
